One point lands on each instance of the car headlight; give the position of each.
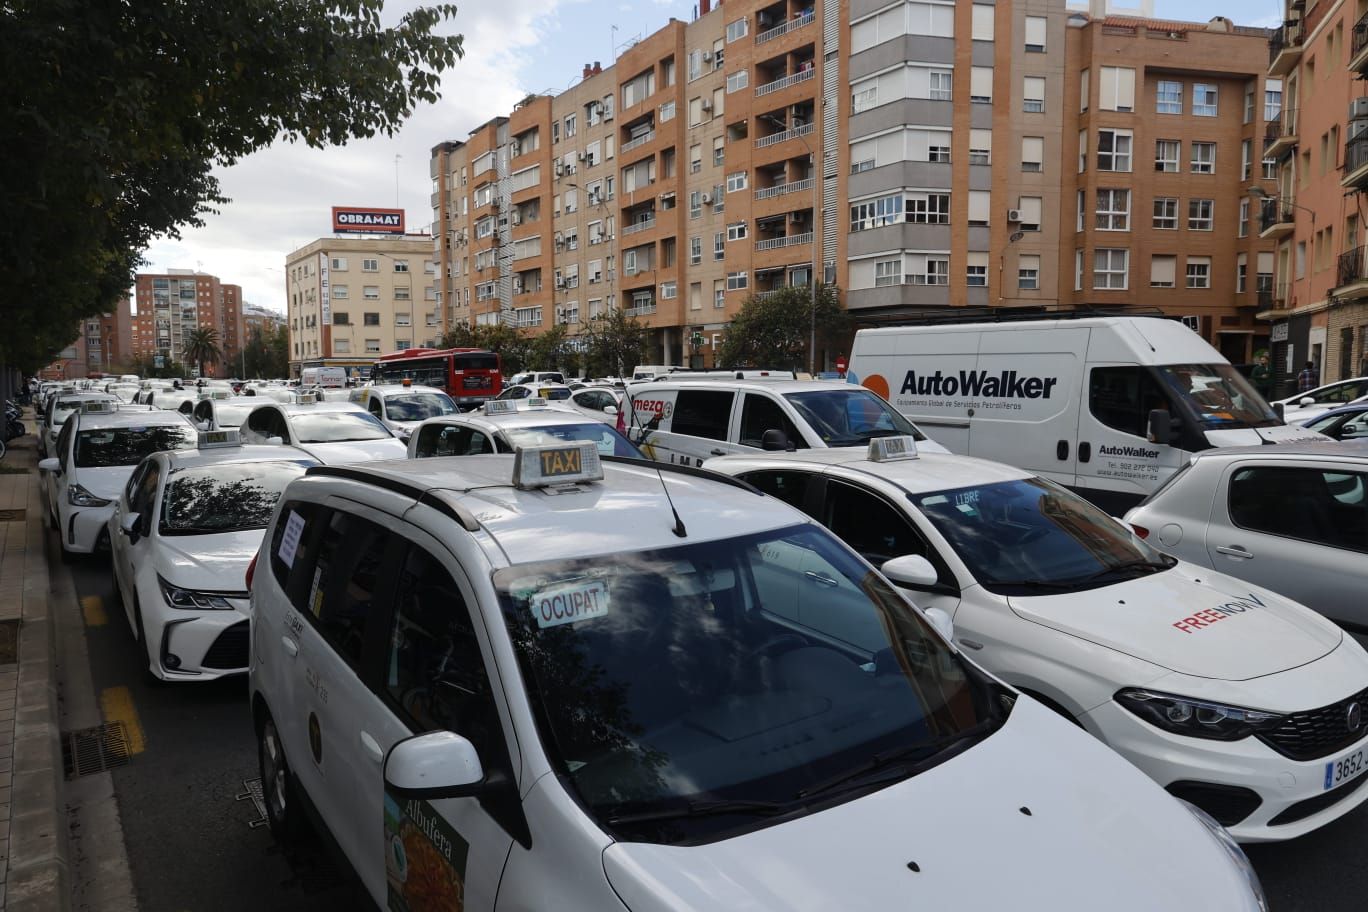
(78, 496)
(1232, 848)
(1197, 718)
(190, 600)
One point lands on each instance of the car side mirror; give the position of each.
(1306, 400)
(941, 621)
(1280, 409)
(131, 526)
(435, 765)
(775, 440)
(610, 410)
(275, 441)
(911, 570)
(51, 464)
(1161, 426)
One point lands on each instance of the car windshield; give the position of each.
(418, 406)
(126, 446)
(851, 417)
(607, 439)
(65, 408)
(336, 427)
(225, 497)
(231, 416)
(1031, 537)
(667, 681)
(1219, 395)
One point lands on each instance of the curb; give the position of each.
(39, 876)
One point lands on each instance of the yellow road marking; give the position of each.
(93, 608)
(117, 705)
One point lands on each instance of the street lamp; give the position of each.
(816, 185)
(1259, 193)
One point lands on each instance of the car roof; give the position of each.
(1351, 408)
(85, 396)
(626, 512)
(193, 459)
(390, 388)
(782, 387)
(539, 384)
(523, 418)
(928, 472)
(134, 417)
(1346, 449)
(294, 408)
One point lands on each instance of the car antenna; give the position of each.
(678, 529)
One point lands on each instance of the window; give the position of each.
(737, 180)
(1166, 155)
(1031, 210)
(1200, 214)
(718, 150)
(1028, 272)
(695, 204)
(1244, 218)
(1246, 159)
(401, 266)
(980, 147)
(1326, 507)
(370, 265)
(1114, 150)
(760, 413)
(1110, 268)
(1163, 271)
(1116, 89)
(982, 25)
(1198, 272)
(719, 294)
(341, 346)
(1204, 100)
(928, 269)
(736, 281)
(371, 292)
(1273, 94)
(928, 209)
(1242, 274)
(1203, 158)
(940, 85)
(372, 346)
(695, 251)
(864, 97)
(339, 292)
(736, 29)
(875, 213)
(1270, 169)
(976, 274)
(980, 205)
(695, 159)
(719, 245)
(1032, 153)
(738, 80)
(702, 413)
(1113, 210)
(1170, 100)
(667, 111)
(736, 231)
(669, 290)
(980, 85)
(888, 272)
(1166, 212)
(1084, 88)
(370, 319)
(339, 264)
(695, 63)
(1035, 34)
(1033, 94)
(1122, 397)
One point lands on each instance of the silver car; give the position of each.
(1293, 518)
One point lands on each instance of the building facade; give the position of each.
(351, 299)
(172, 305)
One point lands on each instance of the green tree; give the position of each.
(546, 350)
(773, 330)
(201, 347)
(510, 345)
(266, 354)
(613, 343)
(116, 115)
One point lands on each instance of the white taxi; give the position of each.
(551, 392)
(503, 426)
(1236, 699)
(331, 432)
(95, 453)
(182, 534)
(222, 413)
(640, 725)
(403, 406)
(55, 413)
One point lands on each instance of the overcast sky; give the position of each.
(281, 197)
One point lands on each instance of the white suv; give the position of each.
(566, 683)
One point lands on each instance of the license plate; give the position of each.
(1338, 772)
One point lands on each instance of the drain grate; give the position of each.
(13, 515)
(255, 795)
(93, 750)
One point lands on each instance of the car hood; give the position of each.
(1039, 816)
(214, 563)
(349, 451)
(1288, 433)
(107, 482)
(1192, 621)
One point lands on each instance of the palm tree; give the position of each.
(202, 347)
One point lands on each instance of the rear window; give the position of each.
(607, 440)
(128, 446)
(702, 413)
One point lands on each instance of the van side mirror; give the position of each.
(776, 440)
(1280, 409)
(911, 570)
(435, 765)
(1161, 426)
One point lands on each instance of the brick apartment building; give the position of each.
(922, 156)
(1319, 309)
(173, 304)
(103, 345)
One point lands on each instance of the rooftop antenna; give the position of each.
(678, 529)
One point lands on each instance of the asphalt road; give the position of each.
(191, 848)
(190, 844)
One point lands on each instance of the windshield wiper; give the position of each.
(892, 764)
(1137, 564)
(702, 809)
(1052, 585)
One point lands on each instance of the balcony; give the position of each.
(643, 225)
(641, 140)
(640, 310)
(1351, 278)
(1272, 300)
(791, 240)
(1356, 162)
(1358, 48)
(800, 76)
(775, 138)
(1285, 48)
(780, 189)
(1277, 219)
(785, 28)
(1280, 136)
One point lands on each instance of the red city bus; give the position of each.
(470, 376)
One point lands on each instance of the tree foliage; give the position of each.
(773, 330)
(510, 345)
(202, 347)
(267, 353)
(613, 343)
(116, 113)
(145, 366)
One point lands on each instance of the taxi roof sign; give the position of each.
(307, 399)
(891, 449)
(535, 402)
(99, 407)
(538, 467)
(211, 440)
(500, 407)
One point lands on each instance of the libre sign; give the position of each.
(346, 220)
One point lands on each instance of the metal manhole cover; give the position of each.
(9, 642)
(258, 799)
(13, 515)
(93, 750)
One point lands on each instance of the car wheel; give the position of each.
(278, 787)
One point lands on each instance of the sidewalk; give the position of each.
(34, 859)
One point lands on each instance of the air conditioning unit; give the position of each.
(560, 282)
(1357, 128)
(1014, 215)
(707, 105)
(559, 169)
(517, 217)
(494, 203)
(1358, 109)
(517, 147)
(517, 286)
(707, 198)
(707, 56)
(583, 157)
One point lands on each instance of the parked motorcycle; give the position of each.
(13, 426)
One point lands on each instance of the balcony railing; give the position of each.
(1355, 153)
(776, 138)
(639, 226)
(640, 310)
(641, 140)
(1283, 128)
(1360, 38)
(781, 189)
(1276, 212)
(785, 28)
(790, 240)
(1351, 268)
(800, 76)
(1288, 37)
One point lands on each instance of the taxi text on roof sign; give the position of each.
(890, 449)
(535, 467)
(209, 440)
(98, 408)
(500, 407)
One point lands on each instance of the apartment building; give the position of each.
(1319, 308)
(103, 345)
(173, 304)
(350, 299)
(259, 319)
(1162, 194)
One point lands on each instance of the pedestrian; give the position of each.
(1306, 380)
(1262, 376)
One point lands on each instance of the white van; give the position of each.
(326, 377)
(1110, 406)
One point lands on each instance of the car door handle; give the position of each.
(290, 646)
(372, 747)
(718, 452)
(970, 644)
(820, 578)
(1233, 551)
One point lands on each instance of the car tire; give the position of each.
(279, 791)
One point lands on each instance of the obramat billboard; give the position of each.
(350, 220)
